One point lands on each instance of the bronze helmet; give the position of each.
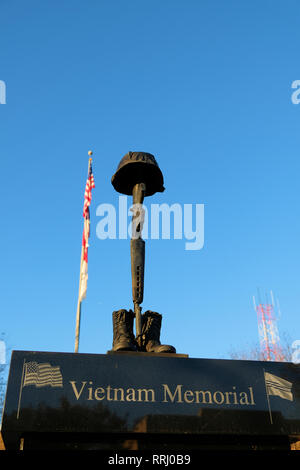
(138, 167)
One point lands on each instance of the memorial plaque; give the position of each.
(141, 394)
(134, 393)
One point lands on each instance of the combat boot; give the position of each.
(151, 325)
(123, 337)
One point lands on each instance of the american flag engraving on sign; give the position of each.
(42, 375)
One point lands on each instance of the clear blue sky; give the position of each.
(203, 85)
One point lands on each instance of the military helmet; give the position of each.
(138, 167)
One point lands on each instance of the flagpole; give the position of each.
(21, 390)
(270, 412)
(78, 312)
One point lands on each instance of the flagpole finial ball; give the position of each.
(90, 153)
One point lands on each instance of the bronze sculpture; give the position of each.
(139, 175)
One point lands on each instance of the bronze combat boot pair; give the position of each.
(123, 337)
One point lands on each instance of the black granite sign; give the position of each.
(135, 393)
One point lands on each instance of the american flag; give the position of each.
(90, 184)
(278, 386)
(42, 374)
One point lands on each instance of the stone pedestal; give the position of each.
(131, 401)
